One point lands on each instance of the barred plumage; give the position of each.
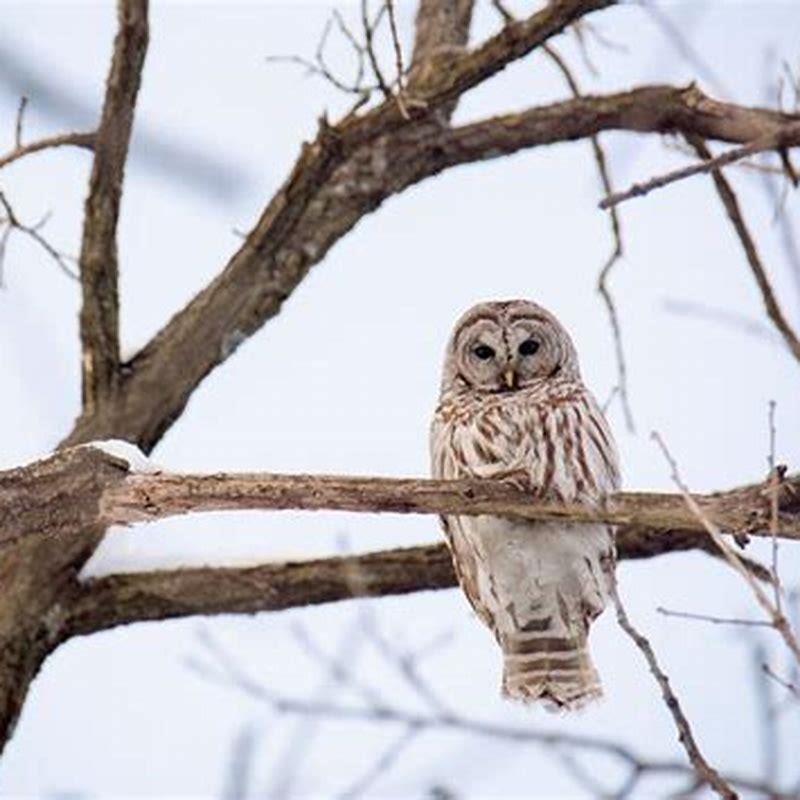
(513, 407)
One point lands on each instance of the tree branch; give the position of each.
(123, 497)
(705, 772)
(440, 26)
(155, 496)
(309, 215)
(290, 236)
(83, 139)
(106, 602)
(105, 492)
(98, 259)
(788, 136)
(731, 204)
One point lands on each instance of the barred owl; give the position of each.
(513, 407)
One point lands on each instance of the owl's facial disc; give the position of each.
(505, 346)
(509, 356)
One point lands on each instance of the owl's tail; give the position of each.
(555, 671)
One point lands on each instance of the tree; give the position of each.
(398, 133)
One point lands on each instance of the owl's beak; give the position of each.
(510, 377)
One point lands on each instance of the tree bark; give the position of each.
(60, 496)
(54, 512)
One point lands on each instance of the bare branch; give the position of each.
(369, 43)
(383, 764)
(775, 615)
(789, 136)
(319, 65)
(228, 672)
(788, 685)
(755, 623)
(731, 204)
(147, 497)
(345, 184)
(441, 27)
(616, 253)
(12, 222)
(398, 60)
(703, 769)
(23, 102)
(83, 140)
(774, 477)
(98, 259)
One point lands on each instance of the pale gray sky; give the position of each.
(345, 380)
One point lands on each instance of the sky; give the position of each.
(346, 378)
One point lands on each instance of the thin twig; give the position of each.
(382, 765)
(731, 204)
(228, 672)
(680, 146)
(23, 102)
(766, 710)
(320, 66)
(83, 140)
(404, 663)
(703, 769)
(616, 252)
(501, 9)
(756, 623)
(369, 34)
(398, 60)
(777, 619)
(336, 668)
(785, 136)
(774, 478)
(788, 685)
(33, 231)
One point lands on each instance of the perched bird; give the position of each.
(513, 407)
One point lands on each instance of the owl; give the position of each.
(513, 407)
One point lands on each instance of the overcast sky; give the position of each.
(345, 379)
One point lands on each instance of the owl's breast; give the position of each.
(559, 449)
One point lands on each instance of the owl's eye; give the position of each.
(528, 347)
(484, 352)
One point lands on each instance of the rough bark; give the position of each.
(278, 254)
(107, 602)
(61, 495)
(38, 575)
(98, 258)
(52, 514)
(155, 496)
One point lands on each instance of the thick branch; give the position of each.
(155, 496)
(440, 25)
(283, 244)
(98, 259)
(121, 599)
(276, 257)
(106, 602)
(84, 489)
